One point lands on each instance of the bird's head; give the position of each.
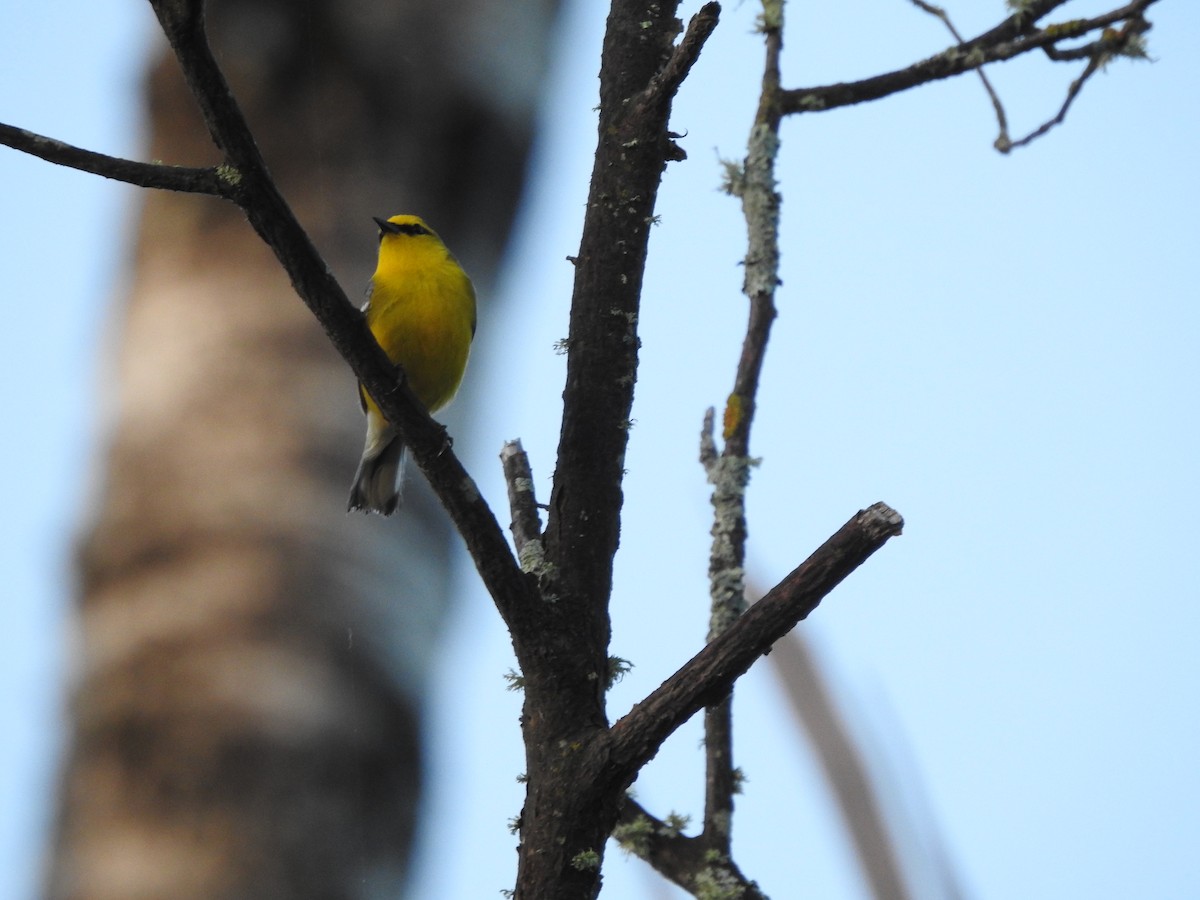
(404, 226)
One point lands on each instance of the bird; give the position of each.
(421, 309)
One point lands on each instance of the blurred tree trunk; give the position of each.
(246, 721)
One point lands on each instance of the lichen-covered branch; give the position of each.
(690, 862)
(729, 471)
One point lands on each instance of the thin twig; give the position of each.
(729, 472)
(1072, 92)
(1098, 54)
(997, 106)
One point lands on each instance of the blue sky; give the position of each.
(1005, 349)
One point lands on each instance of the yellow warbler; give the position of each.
(421, 308)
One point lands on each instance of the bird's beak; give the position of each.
(385, 226)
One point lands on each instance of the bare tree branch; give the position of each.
(729, 472)
(689, 862)
(664, 85)
(1125, 42)
(1012, 38)
(708, 676)
(562, 644)
(638, 62)
(705, 860)
(148, 175)
(997, 106)
(526, 522)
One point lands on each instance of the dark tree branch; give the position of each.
(562, 644)
(664, 85)
(708, 676)
(1012, 38)
(148, 175)
(640, 72)
(689, 862)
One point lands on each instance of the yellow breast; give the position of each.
(422, 313)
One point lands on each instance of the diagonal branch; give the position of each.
(148, 175)
(709, 675)
(664, 85)
(687, 861)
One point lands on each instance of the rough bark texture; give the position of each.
(562, 642)
(246, 721)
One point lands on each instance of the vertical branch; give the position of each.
(637, 84)
(729, 473)
(562, 643)
(760, 205)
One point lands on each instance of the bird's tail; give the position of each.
(380, 475)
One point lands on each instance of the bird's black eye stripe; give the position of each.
(412, 229)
